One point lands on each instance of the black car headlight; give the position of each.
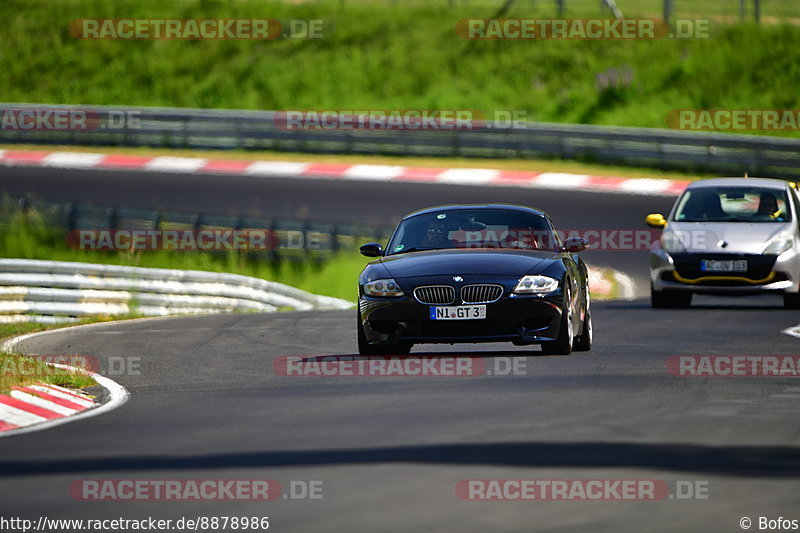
(382, 288)
(536, 285)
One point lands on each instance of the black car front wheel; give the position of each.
(563, 344)
(583, 342)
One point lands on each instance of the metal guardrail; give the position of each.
(53, 291)
(57, 291)
(730, 154)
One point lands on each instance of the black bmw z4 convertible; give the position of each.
(474, 273)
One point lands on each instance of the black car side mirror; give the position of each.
(574, 244)
(372, 249)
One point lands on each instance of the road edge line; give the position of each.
(793, 331)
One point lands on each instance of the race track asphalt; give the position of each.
(206, 402)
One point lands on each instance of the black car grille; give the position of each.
(481, 293)
(435, 294)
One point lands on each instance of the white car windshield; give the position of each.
(733, 204)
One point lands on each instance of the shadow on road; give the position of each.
(763, 461)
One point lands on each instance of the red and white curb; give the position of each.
(41, 406)
(342, 171)
(34, 404)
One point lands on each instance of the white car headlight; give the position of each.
(382, 287)
(778, 244)
(671, 243)
(536, 285)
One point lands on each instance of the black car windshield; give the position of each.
(733, 204)
(477, 228)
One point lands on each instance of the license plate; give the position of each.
(458, 312)
(726, 265)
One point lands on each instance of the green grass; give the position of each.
(386, 55)
(20, 370)
(14, 329)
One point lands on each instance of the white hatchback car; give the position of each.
(728, 236)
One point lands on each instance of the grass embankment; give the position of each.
(401, 55)
(20, 370)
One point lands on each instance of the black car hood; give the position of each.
(465, 261)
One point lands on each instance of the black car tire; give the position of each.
(669, 299)
(791, 300)
(583, 342)
(563, 344)
(365, 348)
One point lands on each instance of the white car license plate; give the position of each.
(458, 312)
(727, 265)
